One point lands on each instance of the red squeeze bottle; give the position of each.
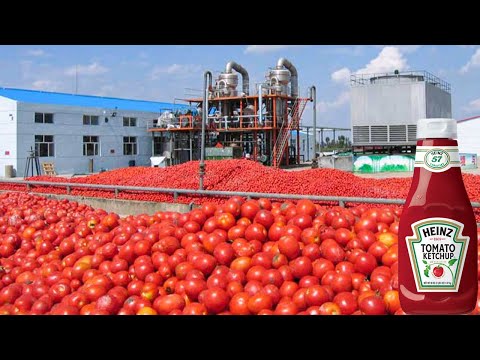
(437, 252)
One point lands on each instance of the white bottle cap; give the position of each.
(437, 128)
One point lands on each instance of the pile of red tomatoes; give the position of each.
(240, 257)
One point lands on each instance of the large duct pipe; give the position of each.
(245, 79)
(293, 72)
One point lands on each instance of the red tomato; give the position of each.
(215, 300)
(289, 246)
(372, 305)
(163, 305)
(239, 304)
(347, 302)
(259, 302)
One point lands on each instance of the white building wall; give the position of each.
(388, 104)
(8, 130)
(68, 131)
(469, 136)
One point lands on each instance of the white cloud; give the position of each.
(91, 69)
(473, 62)
(389, 59)
(37, 52)
(473, 106)
(262, 49)
(403, 48)
(342, 99)
(341, 76)
(181, 70)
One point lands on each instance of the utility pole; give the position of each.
(313, 97)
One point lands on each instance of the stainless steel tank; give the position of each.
(282, 76)
(226, 84)
(279, 79)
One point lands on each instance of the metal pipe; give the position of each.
(313, 97)
(207, 77)
(294, 75)
(245, 78)
(118, 188)
(308, 146)
(260, 87)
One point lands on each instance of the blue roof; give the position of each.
(45, 97)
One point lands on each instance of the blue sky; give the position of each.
(162, 73)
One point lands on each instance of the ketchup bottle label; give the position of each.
(437, 159)
(437, 254)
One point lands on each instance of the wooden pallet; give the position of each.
(49, 169)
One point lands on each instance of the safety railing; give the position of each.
(179, 122)
(341, 200)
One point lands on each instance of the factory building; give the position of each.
(385, 109)
(468, 131)
(77, 133)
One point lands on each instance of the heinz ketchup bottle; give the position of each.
(437, 231)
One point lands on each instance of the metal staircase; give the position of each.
(285, 131)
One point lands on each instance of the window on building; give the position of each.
(129, 121)
(129, 145)
(303, 145)
(90, 145)
(90, 120)
(44, 118)
(44, 146)
(157, 146)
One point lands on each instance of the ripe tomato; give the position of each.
(256, 231)
(215, 300)
(330, 308)
(224, 221)
(347, 302)
(341, 282)
(372, 305)
(316, 295)
(301, 266)
(321, 267)
(258, 302)
(306, 207)
(388, 238)
(391, 256)
(289, 246)
(271, 276)
(286, 308)
(163, 305)
(365, 263)
(366, 223)
(392, 302)
(308, 281)
(288, 289)
(343, 236)
(332, 251)
(239, 304)
(265, 218)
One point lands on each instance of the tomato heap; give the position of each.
(239, 175)
(239, 257)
